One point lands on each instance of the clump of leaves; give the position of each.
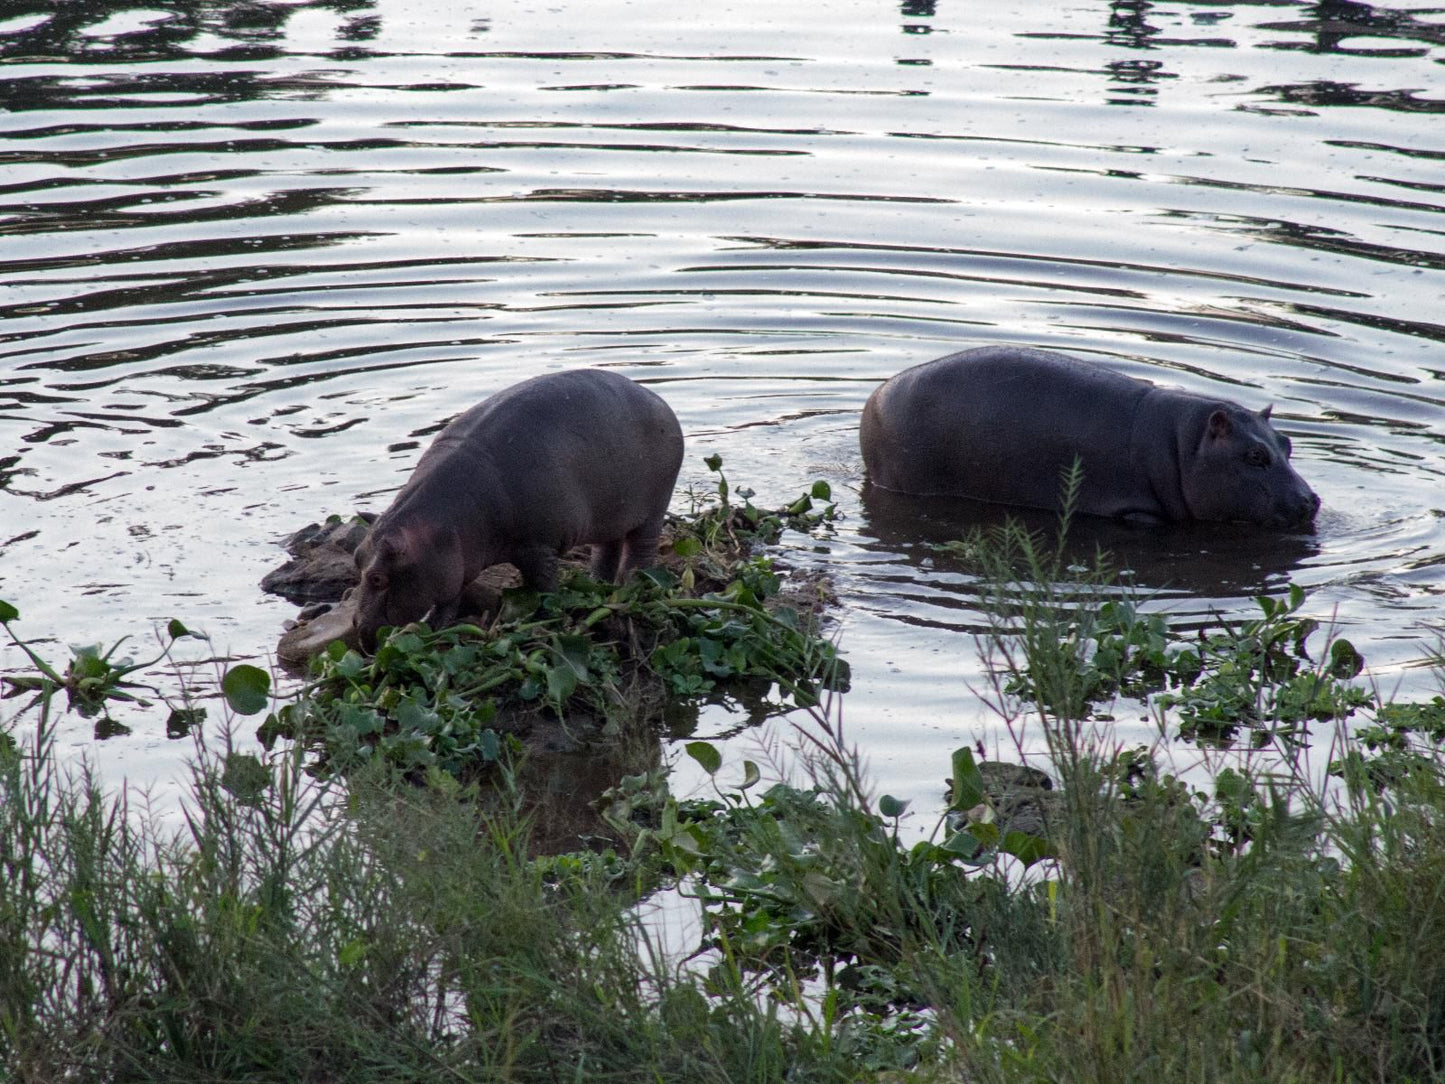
(1260, 674)
(1070, 639)
(1114, 650)
(94, 678)
(798, 880)
(1257, 674)
(447, 698)
(589, 654)
(718, 530)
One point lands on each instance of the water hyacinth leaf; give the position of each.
(8, 612)
(687, 546)
(706, 755)
(714, 656)
(518, 602)
(247, 689)
(1345, 661)
(660, 576)
(986, 833)
(1027, 848)
(751, 775)
(963, 845)
(967, 781)
(349, 664)
(561, 682)
(822, 490)
(714, 462)
(574, 651)
(891, 807)
(414, 713)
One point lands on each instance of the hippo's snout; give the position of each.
(1313, 504)
(1299, 512)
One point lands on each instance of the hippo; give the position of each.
(1005, 424)
(584, 456)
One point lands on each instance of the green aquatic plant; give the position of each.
(816, 881)
(583, 654)
(94, 678)
(1259, 674)
(590, 655)
(1113, 921)
(1071, 638)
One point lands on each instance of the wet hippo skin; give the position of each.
(1005, 424)
(585, 456)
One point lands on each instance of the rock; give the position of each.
(310, 636)
(321, 568)
(1020, 798)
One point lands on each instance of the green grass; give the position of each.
(1270, 923)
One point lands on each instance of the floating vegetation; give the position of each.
(712, 620)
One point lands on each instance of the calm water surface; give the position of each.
(252, 255)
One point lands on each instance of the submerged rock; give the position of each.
(1017, 798)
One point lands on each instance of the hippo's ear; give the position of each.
(1219, 425)
(401, 547)
(1267, 411)
(418, 538)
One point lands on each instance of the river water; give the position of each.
(253, 254)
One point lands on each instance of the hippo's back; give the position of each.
(1000, 424)
(573, 455)
(585, 405)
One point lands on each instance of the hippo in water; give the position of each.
(547, 464)
(1005, 424)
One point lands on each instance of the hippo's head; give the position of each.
(1241, 473)
(407, 572)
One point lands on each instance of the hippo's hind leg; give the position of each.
(606, 560)
(642, 545)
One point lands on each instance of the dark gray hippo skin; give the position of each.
(1004, 424)
(586, 456)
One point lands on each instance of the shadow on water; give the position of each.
(1200, 560)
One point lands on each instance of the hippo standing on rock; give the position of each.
(1005, 424)
(547, 464)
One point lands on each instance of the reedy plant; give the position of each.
(1266, 928)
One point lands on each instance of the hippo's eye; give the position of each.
(376, 581)
(1257, 456)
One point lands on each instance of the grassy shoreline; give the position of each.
(1108, 922)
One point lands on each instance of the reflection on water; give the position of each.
(1208, 562)
(253, 255)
